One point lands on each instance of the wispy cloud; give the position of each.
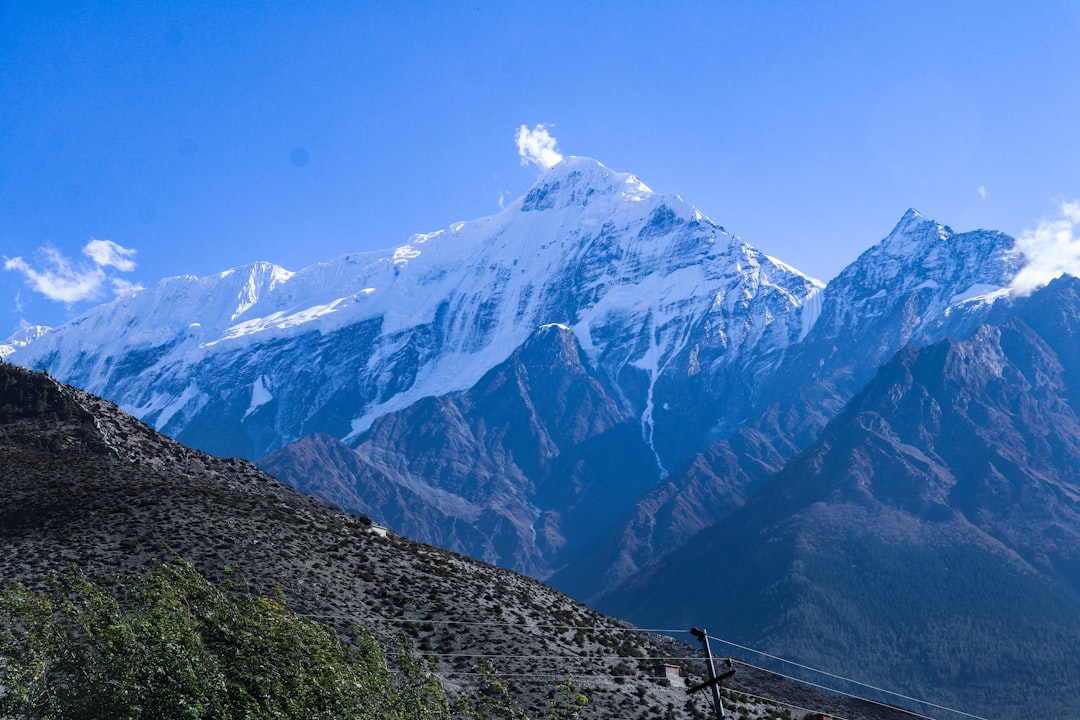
(982, 192)
(120, 286)
(537, 146)
(106, 253)
(57, 278)
(1052, 249)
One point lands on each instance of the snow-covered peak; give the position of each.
(21, 338)
(919, 247)
(579, 181)
(926, 269)
(913, 235)
(651, 288)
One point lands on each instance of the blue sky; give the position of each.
(188, 138)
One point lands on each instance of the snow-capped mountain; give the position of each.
(921, 284)
(929, 538)
(21, 339)
(686, 321)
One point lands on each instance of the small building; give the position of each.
(663, 670)
(671, 673)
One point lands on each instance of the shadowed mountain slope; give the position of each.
(82, 482)
(930, 540)
(537, 457)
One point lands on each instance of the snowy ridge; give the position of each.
(921, 284)
(946, 271)
(22, 339)
(654, 290)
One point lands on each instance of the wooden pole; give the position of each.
(714, 681)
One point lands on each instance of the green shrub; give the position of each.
(170, 644)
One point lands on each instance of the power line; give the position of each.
(841, 692)
(497, 656)
(732, 692)
(841, 677)
(667, 631)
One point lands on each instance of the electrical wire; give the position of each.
(845, 679)
(777, 702)
(669, 631)
(845, 694)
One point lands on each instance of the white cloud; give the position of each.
(1052, 249)
(106, 253)
(124, 287)
(537, 146)
(61, 281)
(982, 192)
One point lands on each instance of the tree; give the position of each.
(172, 645)
(491, 699)
(568, 703)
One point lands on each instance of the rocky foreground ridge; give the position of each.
(82, 482)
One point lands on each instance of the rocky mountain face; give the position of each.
(600, 387)
(921, 284)
(82, 482)
(685, 320)
(537, 458)
(708, 487)
(930, 539)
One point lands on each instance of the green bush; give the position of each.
(169, 644)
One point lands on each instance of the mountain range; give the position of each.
(601, 387)
(933, 528)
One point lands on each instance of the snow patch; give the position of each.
(474, 294)
(810, 311)
(260, 395)
(192, 395)
(981, 293)
(404, 254)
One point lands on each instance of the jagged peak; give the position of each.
(576, 181)
(552, 336)
(259, 271)
(22, 337)
(913, 236)
(914, 226)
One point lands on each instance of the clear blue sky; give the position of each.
(203, 136)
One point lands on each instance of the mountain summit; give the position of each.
(684, 319)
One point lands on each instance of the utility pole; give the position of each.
(714, 681)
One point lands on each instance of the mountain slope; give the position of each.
(920, 284)
(537, 460)
(82, 482)
(930, 539)
(684, 319)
